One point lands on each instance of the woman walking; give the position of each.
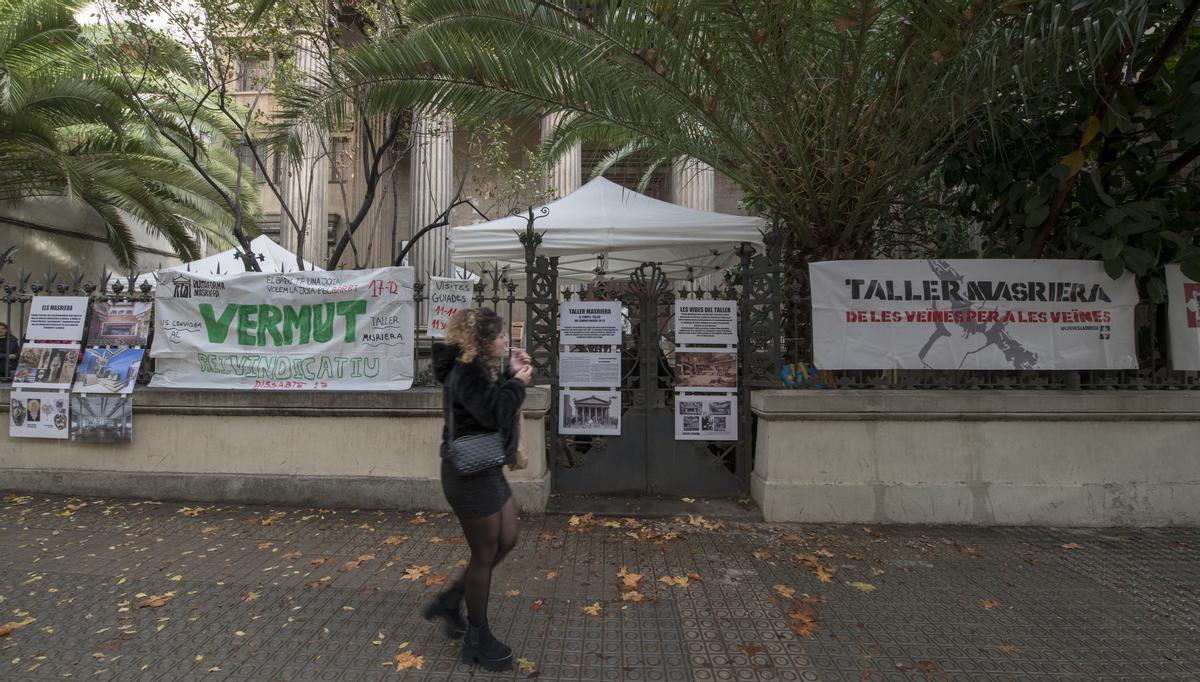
(477, 401)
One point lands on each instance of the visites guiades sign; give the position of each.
(339, 330)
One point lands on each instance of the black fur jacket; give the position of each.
(481, 404)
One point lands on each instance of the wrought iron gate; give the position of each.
(646, 458)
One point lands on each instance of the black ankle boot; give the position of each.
(481, 647)
(447, 607)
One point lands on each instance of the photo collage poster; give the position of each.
(590, 381)
(706, 370)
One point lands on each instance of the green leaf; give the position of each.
(1112, 249)
(1173, 237)
(1115, 268)
(1037, 217)
(1191, 269)
(1138, 260)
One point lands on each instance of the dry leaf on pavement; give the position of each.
(1072, 545)
(989, 603)
(593, 610)
(8, 628)
(407, 660)
(785, 591)
(524, 665)
(865, 587)
(630, 579)
(416, 572)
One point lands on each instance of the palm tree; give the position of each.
(70, 127)
(822, 111)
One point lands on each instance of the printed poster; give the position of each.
(590, 369)
(1183, 312)
(703, 417)
(700, 322)
(45, 365)
(337, 330)
(108, 370)
(102, 418)
(591, 413)
(706, 370)
(38, 414)
(446, 297)
(56, 318)
(119, 323)
(590, 323)
(972, 314)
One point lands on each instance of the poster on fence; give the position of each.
(119, 323)
(590, 323)
(102, 418)
(1183, 311)
(590, 369)
(706, 322)
(706, 417)
(108, 370)
(971, 314)
(38, 414)
(591, 413)
(56, 318)
(45, 365)
(338, 330)
(446, 297)
(706, 369)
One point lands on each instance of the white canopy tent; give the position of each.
(275, 258)
(605, 228)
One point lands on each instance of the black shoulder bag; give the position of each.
(471, 454)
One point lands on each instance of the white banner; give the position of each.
(38, 414)
(1183, 313)
(56, 318)
(446, 297)
(706, 417)
(590, 369)
(971, 314)
(701, 322)
(590, 323)
(337, 330)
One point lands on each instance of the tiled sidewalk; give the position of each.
(124, 590)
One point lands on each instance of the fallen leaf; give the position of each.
(252, 521)
(548, 536)
(352, 565)
(989, 603)
(538, 606)
(435, 580)
(1009, 649)
(208, 530)
(632, 595)
(689, 500)
(824, 553)
(749, 650)
(694, 576)
(8, 628)
(824, 573)
(552, 575)
(593, 610)
(785, 591)
(512, 593)
(1072, 545)
(415, 573)
(265, 545)
(674, 581)
(419, 520)
(631, 580)
(215, 669)
(970, 552)
(294, 554)
(762, 556)
(153, 602)
(393, 540)
(407, 660)
(524, 665)
(865, 587)
(318, 562)
(435, 540)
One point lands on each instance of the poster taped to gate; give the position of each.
(972, 314)
(590, 323)
(706, 369)
(46, 365)
(119, 323)
(1183, 312)
(705, 417)
(591, 413)
(338, 330)
(101, 418)
(38, 414)
(446, 297)
(56, 318)
(699, 321)
(590, 369)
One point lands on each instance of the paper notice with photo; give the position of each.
(590, 323)
(706, 417)
(38, 414)
(56, 318)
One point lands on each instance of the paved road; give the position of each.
(122, 589)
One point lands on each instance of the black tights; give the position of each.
(491, 538)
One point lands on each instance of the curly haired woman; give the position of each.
(483, 402)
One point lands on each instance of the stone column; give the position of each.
(308, 177)
(566, 173)
(693, 184)
(431, 185)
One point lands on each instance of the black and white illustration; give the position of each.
(594, 413)
(702, 417)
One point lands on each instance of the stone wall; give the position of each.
(322, 449)
(1090, 458)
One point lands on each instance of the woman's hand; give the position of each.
(525, 374)
(517, 361)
